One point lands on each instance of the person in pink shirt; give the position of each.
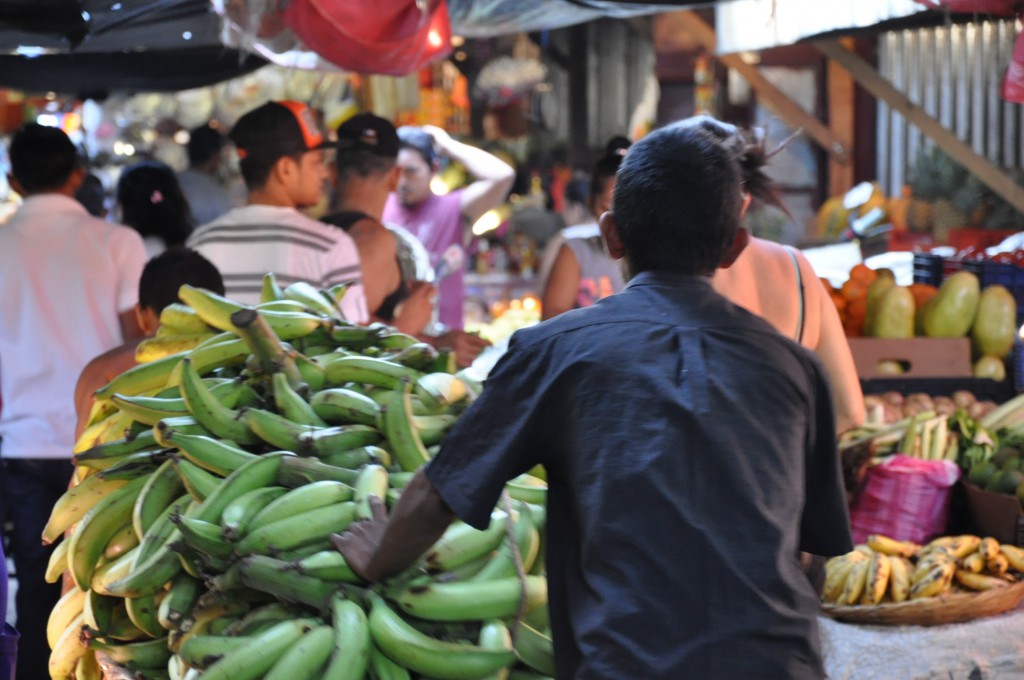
(440, 221)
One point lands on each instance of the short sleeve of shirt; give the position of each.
(825, 524)
(130, 257)
(492, 442)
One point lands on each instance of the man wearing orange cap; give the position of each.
(280, 149)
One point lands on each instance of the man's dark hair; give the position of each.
(678, 197)
(361, 163)
(203, 144)
(603, 171)
(42, 158)
(164, 274)
(92, 195)
(256, 169)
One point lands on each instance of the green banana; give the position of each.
(209, 357)
(198, 482)
(202, 651)
(210, 413)
(277, 578)
(168, 427)
(528, 489)
(99, 611)
(527, 542)
(111, 615)
(372, 482)
(281, 306)
(182, 318)
(57, 563)
(181, 598)
(213, 455)
(291, 405)
(307, 659)
(462, 543)
(396, 340)
(135, 465)
(420, 356)
(121, 541)
(354, 459)
(96, 456)
(256, 619)
(518, 674)
(76, 502)
(94, 531)
(339, 406)
(239, 512)
(328, 565)
(253, 660)
(399, 428)
(351, 336)
(109, 429)
(293, 532)
(203, 537)
(149, 410)
(383, 668)
(471, 600)
(276, 430)
(332, 440)
(204, 618)
(141, 378)
(368, 371)
(440, 389)
(162, 487)
(296, 471)
(428, 656)
(351, 640)
(315, 301)
(494, 634)
(216, 311)
(271, 290)
(143, 613)
(147, 654)
(312, 373)
(301, 500)
(534, 649)
(109, 572)
(432, 429)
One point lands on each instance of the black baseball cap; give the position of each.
(368, 132)
(277, 129)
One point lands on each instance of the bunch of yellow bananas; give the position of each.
(210, 480)
(887, 570)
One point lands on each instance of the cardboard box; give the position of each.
(918, 357)
(995, 514)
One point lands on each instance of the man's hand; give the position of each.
(360, 543)
(413, 314)
(466, 346)
(441, 138)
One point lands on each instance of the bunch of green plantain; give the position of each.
(885, 570)
(209, 480)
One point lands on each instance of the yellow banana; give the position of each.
(967, 544)
(68, 650)
(68, 607)
(877, 579)
(934, 582)
(58, 562)
(890, 546)
(974, 581)
(159, 347)
(836, 573)
(997, 564)
(899, 578)
(1014, 555)
(855, 582)
(988, 548)
(974, 562)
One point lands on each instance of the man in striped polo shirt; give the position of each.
(280, 150)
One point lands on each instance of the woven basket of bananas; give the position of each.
(950, 580)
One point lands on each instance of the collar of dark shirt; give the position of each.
(669, 278)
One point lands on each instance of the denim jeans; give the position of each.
(30, 488)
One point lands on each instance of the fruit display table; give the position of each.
(984, 649)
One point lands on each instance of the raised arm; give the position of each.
(494, 176)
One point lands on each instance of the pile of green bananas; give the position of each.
(887, 570)
(207, 485)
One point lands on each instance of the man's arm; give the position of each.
(494, 177)
(379, 548)
(563, 285)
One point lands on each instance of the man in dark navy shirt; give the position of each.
(689, 448)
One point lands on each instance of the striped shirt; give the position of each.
(250, 241)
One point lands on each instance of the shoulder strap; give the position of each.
(345, 219)
(800, 293)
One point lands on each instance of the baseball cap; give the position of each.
(277, 129)
(419, 140)
(368, 132)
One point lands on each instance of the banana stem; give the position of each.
(265, 345)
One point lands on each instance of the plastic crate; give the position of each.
(928, 268)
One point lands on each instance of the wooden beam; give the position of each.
(772, 97)
(841, 91)
(868, 78)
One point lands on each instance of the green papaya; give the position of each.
(920, 314)
(954, 308)
(894, 316)
(876, 291)
(995, 326)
